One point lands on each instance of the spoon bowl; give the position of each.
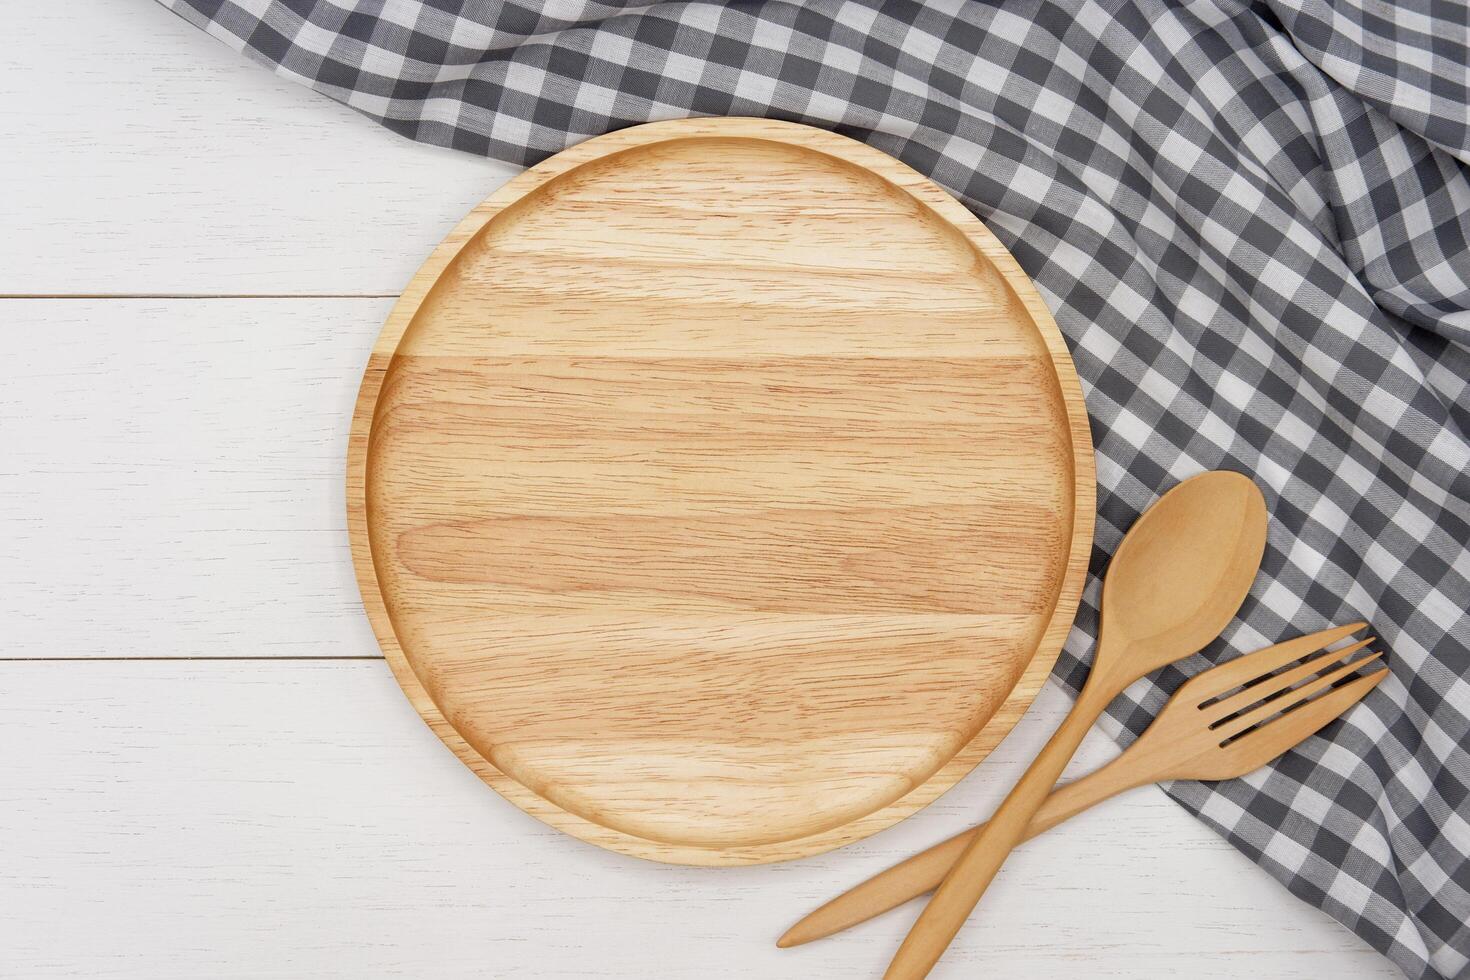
(1180, 574)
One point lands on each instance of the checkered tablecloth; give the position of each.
(1251, 222)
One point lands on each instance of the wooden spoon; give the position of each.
(1176, 581)
(1199, 734)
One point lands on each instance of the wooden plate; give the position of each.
(720, 491)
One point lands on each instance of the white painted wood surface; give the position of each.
(172, 477)
(155, 161)
(296, 819)
(170, 488)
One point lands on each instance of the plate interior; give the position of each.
(719, 491)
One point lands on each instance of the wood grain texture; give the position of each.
(1191, 738)
(721, 519)
(157, 161)
(1173, 585)
(263, 818)
(287, 819)
(171, 483)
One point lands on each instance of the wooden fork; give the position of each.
(1221, 724)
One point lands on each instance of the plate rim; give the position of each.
(894, 172)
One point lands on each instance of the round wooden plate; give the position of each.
(720, 491)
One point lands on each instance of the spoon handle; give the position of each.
(971, 875)
(922, 873)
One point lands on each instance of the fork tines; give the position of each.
(1265, 686)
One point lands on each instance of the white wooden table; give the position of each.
(205, 767)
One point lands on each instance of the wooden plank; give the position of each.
(178, 820)
(171, 477)
(155, 160)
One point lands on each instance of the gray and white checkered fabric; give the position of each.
(1251, 221)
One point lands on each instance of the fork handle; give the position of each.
(924, 871)
(972, 873)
